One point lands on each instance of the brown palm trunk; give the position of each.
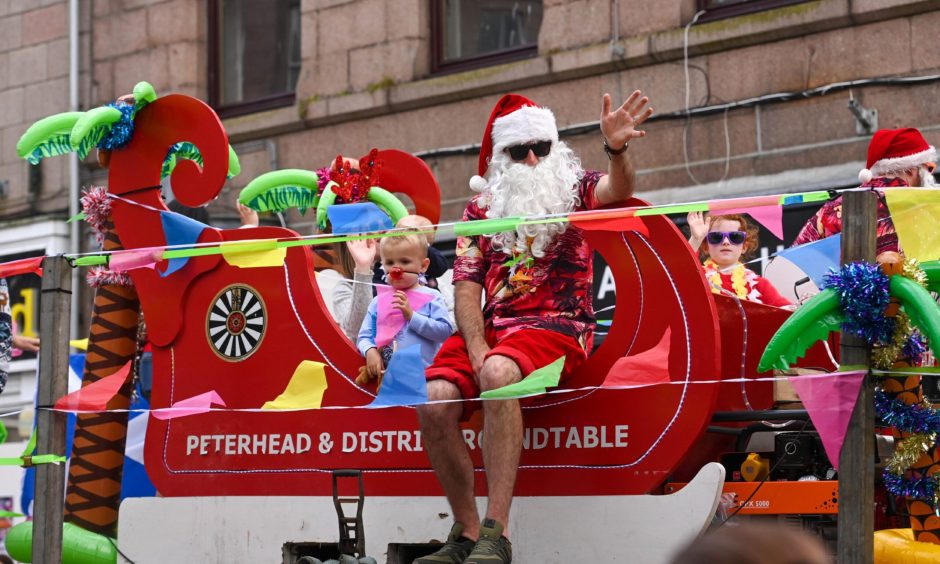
(97, 463)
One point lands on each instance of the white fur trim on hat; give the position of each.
(886, 167)
(477, 183)
(525, 125)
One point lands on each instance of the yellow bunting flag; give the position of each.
(914, 213)
(253, 254)
(80, 344)
(305, 389)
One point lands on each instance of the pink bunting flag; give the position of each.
(390, 321)
(95, 396)
(829, 399)
(648, 368)
(135, 258)
(765, 210)
(189, 406)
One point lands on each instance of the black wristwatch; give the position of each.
(611, 152)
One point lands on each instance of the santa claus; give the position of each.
(537, 283)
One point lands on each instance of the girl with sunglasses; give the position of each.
(724, 239)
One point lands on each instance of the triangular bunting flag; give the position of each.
(612, 220)
(361, 217)
(816, 258)
(253, 254)
(914, 213)
(22, 266)
(135, 258)
(535, 383)
(404, 382)
(305, 389)
(95, 396)
(179, 230)
(771, 217)
(189, 406)
(647, 368)
(829, 399)
(390, 321)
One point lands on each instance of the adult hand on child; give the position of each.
(27, 344)
(374, 363)
(400, 302)
(363, 253)
(698, 229)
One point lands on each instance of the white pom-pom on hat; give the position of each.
(477, 183)
(865, 176)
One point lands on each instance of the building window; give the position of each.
(718, 9)
(254, 54)
(474, 33)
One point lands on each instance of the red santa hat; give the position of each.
(514, 121)
(892, 151)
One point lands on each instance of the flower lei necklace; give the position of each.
(743, 281)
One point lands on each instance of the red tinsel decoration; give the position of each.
(97, 207)
(352, 185)
(101, 276)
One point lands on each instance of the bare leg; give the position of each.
(448, 454)
(502, 437)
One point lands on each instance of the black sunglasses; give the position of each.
(734, 237)
(520, 152)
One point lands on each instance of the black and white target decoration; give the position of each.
(236, 323)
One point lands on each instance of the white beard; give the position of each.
(519, 190)
(926, 179)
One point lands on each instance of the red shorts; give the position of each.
(530, 349)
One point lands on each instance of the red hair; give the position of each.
(750, 242)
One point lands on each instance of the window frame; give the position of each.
(439, 66)
(723, 12)
(215, 75)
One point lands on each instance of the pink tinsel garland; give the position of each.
(97, 207)
(101, 276)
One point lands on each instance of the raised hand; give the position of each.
(249, 217)
(620, 125)
(698, 228)
(363, 253)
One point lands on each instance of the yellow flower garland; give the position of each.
(738, 278)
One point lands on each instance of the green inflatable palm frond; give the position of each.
(817, 331)
(919, 306)
(812, 322)
(281, 190)
(51, 147)
(188, 151)
(91, 140)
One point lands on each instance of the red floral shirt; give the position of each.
(523, 292)
(828, 220)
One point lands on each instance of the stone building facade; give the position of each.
(298, 81)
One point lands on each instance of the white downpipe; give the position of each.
(73, 162)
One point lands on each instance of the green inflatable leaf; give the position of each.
(281, 190)
(48, 137)
(812, 322)
(919, 306)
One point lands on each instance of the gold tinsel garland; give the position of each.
(908, 451)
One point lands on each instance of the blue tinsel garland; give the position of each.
(914, 349)
(924, 489)
(122, 130)
(863, 293)
(906, 418)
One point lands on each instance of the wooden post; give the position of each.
(49, 503)
(856, 526)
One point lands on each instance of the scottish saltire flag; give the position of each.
(135, 482)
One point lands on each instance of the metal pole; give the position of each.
(49, 504)
(856, 526)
